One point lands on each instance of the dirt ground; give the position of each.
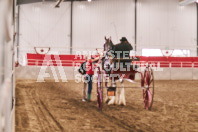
(50, 107)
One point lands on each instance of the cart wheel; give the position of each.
(148, 92)
(99, 88)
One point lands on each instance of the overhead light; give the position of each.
(186, 2)
(89, 0)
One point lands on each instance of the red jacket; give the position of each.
(90, 67)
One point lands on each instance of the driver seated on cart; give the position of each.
(122, 53)
(119, 54)
(122, 50)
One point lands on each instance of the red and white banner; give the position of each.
(72, 60)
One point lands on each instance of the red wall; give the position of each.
(71, 60)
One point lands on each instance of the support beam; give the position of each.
(197, 28)
(19, 2)
(18, 31)
(186, 2)
(58, 3)
(71, 28)
(135, 26)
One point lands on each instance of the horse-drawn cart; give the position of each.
(147, 84)
(146, 80)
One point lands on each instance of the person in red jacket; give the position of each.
(89, 74)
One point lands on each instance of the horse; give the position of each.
(108, 45)
(119, 97)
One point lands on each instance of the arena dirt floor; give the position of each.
(50, 107)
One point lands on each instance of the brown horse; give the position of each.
(108, 45)
(108, 51)
(120, 96)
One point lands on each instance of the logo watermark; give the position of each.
(107, 64)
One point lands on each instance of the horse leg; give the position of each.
(107, 98)
(113, 98)
(112, 101)
(117, 97)
(122, 100)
